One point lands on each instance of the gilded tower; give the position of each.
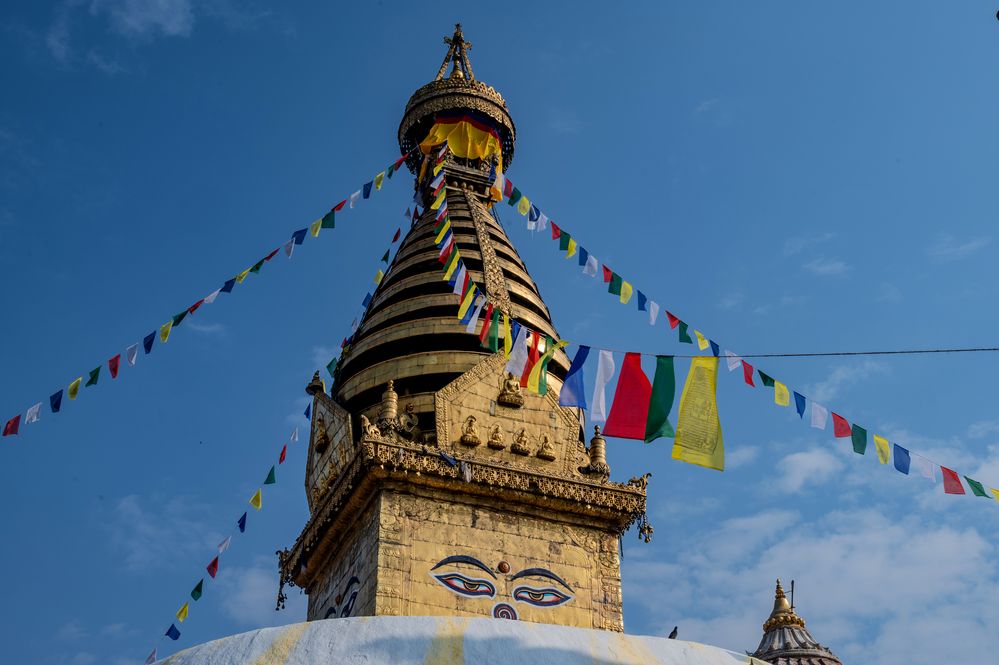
(436, 484)
(786, 641)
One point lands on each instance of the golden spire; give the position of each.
(458, 54)
(783, 614)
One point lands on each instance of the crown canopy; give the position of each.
(786, 641)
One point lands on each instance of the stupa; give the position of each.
(786, 641)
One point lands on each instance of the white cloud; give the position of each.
(149, 538)
(731, 300)
(321, 355)
(741, 456)
(982, 428)
(207, 328)
(83, 658)
(888, 292)
(142, 18)
(249, 595)
(706, 105)
(809, 467)
(948, 248)
(845, 376)
(794, 246)
(71, 630)
(827, 267)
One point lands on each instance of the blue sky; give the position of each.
(785, 176)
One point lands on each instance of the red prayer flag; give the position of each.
(271, 255)
(399, 162)
(213, 567)
(339, 206)
(532, 358)
(486, 322)
(396, 236)
(113, 366)
(507, 188)
(556, 231)
(10, 429)
(608, 274)
(673, 321)
(952, 483)
(446, 252)
(747, 372)
(193, 308)
(630, 408)
(841, 427)
(284, 453)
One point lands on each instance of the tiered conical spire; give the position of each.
(786, 641)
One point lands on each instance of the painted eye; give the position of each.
(466, 586)
(540, 597)
(349, 606)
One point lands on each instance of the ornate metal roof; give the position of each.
(786, 641)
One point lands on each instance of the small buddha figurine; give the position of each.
(510, 394)
(547, 450)
(496, 438)
(468, 435)
(519, 446)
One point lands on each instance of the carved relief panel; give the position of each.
(330, 447)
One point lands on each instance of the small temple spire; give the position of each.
(786, 641)
(458, 54)
(782, 614)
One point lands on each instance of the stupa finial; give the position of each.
(458, 54)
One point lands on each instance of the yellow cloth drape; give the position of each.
(463, 139)
(698, 430)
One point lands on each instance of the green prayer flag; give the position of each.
(331, 368)
(386, 257)
(271, 478)
(663, 391)
(177, 318)
(563, 241)
(493, 339)
(684, 335)
(976, 487)
(329, 220)
(515, 197)
(767, 380)
(196, 591)
(859, 436)
(615, 284)
(256, 266)
(390, 170)
(543, 377)
(94, 373)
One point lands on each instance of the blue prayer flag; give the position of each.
(514, 329)
(901, 459)
(799, 403)
(147, 342)
(299, 236)
(573, 391)
(55, 401)
(534, 213)
(641, 303)
(471, 309)
(714, 348)
(173, 633)
(584, 256)
(450, 461)
(367, 189)
(242, 523)
(308, 411)
(366, 301)
(227, 287)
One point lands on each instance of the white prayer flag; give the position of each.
(132, 352)
(289, 247)
(591, 266)
(473, 323)
(733, 360)
(354, 198)
(605, 372)
(927, 469)
(459, 283)
(32, 415)
(466, 472)
(819, 415)
(224, 545)
(151, 658)
(532, 225)
(294, 435)
(519, 355)
(653, 312)
(542, 221)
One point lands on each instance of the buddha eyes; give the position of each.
(540, 597)
(466, 586)
(349, 605)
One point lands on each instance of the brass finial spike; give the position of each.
(457, 53)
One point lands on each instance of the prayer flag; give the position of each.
(299, 236)
(339, 206)
(485, 324)
(733, 361)
(702, 341)
(151, 658)
(573, 390)
(841, 428)
(55, 401)
(354, 198)
(379, 179)
(799, 404)
(229, 284)
(131, 354)
(113, 365)
(995, 493)
(294, 435)
(177, 318)
(747, 373)
(614, 287)
(308, 411)
(398, 231)
(765, 378)
(533, 215)
(515, 197)
(571, 250)
(542, 221)
(673, 321)
(630, 406)
(378, 277)
(165, 331)
(605, 371)
(385, 257)
(507, 187)
(366, 189)
(182, 612)
(213, 567)
(271, 478)
(781, 396)
(492, 341)
(257, 500)
(698, 431)
(74, 388)
(198, 589)
(283, 455)
(927, 469)
(458, 288)
(194, 308)
(523, 205)
(859, 436)
(452, 264)
(537, 382)
(255, 268)
(882, 448)
(901, 459)
(438, 201)
(210, 298)
(94, 374)
(661, 402)
(242, 276)
(714, 348)
(473, 321)
(366, 301)
(683, 335)
(951, 482)
(289, 249)
(314, 228)
(241, 523)
(591, 266)
(32, 415)
(563, 241)
(819, 415)
(532, 358)
(626, 291)
(976, 487)
(466, 303)
(328, 221)
(641, 301)
(507, 339)
(331, 368)
(654, 313)
(268, 257)
(584, 256)
(12, 425)
(173, 633)
(224, 545)
(556, 231)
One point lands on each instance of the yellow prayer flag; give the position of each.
(315, 226)
(182, 613)
(995, 493)
(241, 276)
(452, 265)
(626, 291)
(165, 331)
(467, 302)
(698, 430)
(884, 452)
(438, 201)
(443, 232)
(378, 180)
(781, 396)
(378, 277)
(702, 341)
(507, 339)
(572, 248)
(534, 378)
(437, 169)
(257, 500)
(524, 205)
(74, 388)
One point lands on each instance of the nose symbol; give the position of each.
(504, 611)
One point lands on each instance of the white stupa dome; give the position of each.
(446, 641)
